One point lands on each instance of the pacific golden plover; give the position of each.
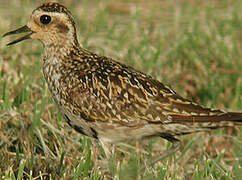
(105, 99)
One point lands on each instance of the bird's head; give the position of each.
(51, 23)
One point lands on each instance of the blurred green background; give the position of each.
(194, 46)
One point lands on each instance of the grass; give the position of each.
(193, 46)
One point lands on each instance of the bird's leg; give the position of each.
(109, 153)
(176, 145)
(108, 149)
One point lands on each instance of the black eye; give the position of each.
(45, 19)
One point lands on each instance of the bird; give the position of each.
(108, 100)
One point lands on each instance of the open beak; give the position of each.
(17, 31)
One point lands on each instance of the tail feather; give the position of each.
(234, 117)
(180, 124)
(186, 117)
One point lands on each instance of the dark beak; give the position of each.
(17, 31)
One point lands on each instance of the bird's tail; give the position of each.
(195, 123)
(235, 118)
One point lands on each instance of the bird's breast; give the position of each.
(63, 82)
(53, 76)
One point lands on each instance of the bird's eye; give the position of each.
(45, 19)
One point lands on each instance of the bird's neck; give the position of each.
(60, 50)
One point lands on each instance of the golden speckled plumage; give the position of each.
(105, 99)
